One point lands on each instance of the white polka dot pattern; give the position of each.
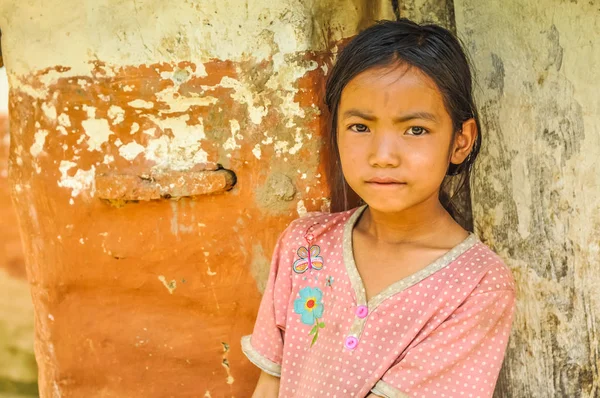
(444, 336)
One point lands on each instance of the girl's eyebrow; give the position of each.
(356, 112)
(416, 115)
(400, 119)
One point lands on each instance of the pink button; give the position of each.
(351, 342)
(362, 311)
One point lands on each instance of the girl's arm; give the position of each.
(267, 386)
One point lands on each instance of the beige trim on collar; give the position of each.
(398, 286)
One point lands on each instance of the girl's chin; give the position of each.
(383, 205)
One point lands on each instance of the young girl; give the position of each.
(393, 298)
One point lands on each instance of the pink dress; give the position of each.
(441, 332)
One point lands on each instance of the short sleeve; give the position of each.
(463, 355)
(264, 347)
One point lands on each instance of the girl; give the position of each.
(393, 298)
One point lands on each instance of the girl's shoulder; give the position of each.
(495, 274)
(318, 225)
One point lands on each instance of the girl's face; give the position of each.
(394, 136)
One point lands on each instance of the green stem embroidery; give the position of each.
(315, 330)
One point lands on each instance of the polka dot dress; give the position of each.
(441, 332)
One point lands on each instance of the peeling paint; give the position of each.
(151, 132)
(38, 145)
(108, 159)
(140, 103)
(64, 120)
(283, 80)
(183, 150)
(244, 95)
(131, 150)
(225, 37)
(98, 132)
(171, 286)
(256, 151)
(300, 208)
(49, 111)
(225, 363)
(178, 103)
(82, 180)
(230, 143)
(135, 127)
(297, 142)
(116, 114)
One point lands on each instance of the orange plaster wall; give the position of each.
(17, 362)
(11, 254)
(151, 298)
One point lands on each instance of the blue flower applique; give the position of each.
(310, 307)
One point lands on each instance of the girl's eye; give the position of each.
(359, 128)
(415, 130)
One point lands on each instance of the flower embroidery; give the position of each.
(329, 281)
(309, 256)
(310, 307)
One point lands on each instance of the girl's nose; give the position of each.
(384, 151)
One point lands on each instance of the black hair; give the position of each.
(436, 52)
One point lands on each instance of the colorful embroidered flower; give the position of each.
(309, 305)
(329, 281)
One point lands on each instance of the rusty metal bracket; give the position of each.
(163, 185)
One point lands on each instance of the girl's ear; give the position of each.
(464, 141)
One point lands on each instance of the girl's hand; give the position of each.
(267, 386)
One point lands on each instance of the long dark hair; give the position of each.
(436, 52)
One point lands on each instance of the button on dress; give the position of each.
(440, 332)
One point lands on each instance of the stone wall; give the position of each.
(536, 187)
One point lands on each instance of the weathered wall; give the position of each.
(122, 114)
(440, 12)
(18, 371)
(125, 94)
(536, 187)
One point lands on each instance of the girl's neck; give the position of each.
(411, 225)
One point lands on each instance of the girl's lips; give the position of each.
(385, 185)
(384, 181)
